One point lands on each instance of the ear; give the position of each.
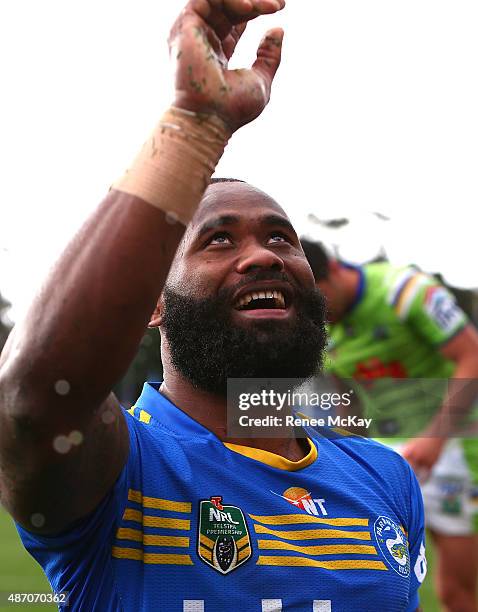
(157, 316)
(334, 266)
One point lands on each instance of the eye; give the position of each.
(219, 238)
(279, 237)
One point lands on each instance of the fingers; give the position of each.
(226, 19)
(269, 54)
(242, 10)
(230, 42)
(221, 15)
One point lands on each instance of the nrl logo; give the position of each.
(223, 541)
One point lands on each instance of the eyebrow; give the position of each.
(217, 222)
(278, 220)
(225, 220)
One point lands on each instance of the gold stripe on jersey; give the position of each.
(321, 549)
(206, 553)
(124, 533)
(156, 521)
(344, 564)
(159, 540)
(293, 519)
(206, 541)
(158, 503)
(144, 416)
(135, 496)
(242, 542)
(150, 558)
(312, 534)
(135, 535)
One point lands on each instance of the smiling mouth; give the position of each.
(262, 300)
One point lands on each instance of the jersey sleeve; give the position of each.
(429, 308)
(416, 540)
(81, 555)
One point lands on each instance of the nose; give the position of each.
(257, 256)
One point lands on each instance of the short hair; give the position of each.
(317, 258)
(225, 180)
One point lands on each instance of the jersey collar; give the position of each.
(167, 414)
(274, 460)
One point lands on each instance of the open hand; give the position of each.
(203, 40)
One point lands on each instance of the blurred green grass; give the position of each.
(20, 573)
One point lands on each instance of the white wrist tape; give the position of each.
(175, 165)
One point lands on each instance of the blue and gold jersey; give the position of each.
(192, 525)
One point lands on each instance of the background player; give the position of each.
(395, 323)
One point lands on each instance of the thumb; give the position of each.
(269, 54)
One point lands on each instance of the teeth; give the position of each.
(262, 295)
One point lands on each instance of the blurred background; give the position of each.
(370, 142)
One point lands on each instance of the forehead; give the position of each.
(241, 199)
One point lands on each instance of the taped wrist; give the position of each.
(175, 164)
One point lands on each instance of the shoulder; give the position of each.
(366, 455)
(390, 279)
(384, 283)
(405, 285)
(346, 441)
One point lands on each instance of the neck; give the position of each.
(351, 281)
(211, 411)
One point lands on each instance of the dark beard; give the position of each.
(208, 348)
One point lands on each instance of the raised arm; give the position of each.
(63, 439)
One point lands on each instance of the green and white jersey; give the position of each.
(389, 343)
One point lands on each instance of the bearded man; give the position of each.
(157, 508)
